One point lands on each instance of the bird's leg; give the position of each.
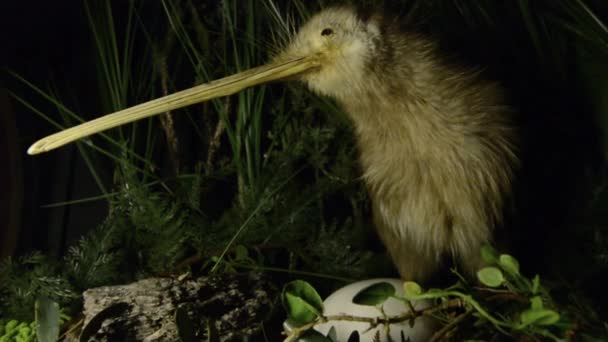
(412, 262)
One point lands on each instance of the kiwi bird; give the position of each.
(436, 141)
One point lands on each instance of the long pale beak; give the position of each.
(218, 88)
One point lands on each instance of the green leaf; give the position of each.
(538, 317)
(490, 276)
(374, 294)
(411, 289)
(489, 255)
(535, 284)
(536, 303)
(47, 319)
(11, 325)
(301, 301)
(298, 309)
(509, 264)
(241, 253)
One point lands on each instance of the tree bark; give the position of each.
(222, 307)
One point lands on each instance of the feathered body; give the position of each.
(436, 141)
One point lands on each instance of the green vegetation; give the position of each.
(14, 331)
(507, 303)
(247, 182)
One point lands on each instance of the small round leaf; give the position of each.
(490, 276)
(509, 264)
(411, 289)
(488, 254)
(535, 284)
(539, 317)
(241, 253)
(298, 309)
(374, 294)
(536, 303)
(301, 301)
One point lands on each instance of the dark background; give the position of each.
(45, 43)
(48, 43)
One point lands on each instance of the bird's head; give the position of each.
(342, 40)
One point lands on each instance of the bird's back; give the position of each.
(437, 148)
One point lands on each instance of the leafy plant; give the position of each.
(49, 318)
(302, 301)
(27, 278)
(508, 303)
(15, 331)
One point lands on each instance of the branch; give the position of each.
(215, 142)
(375, 321)
(444, 330)
(166, 119)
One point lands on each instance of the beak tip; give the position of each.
(36, 148)
(279, 69)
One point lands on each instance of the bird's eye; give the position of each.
(327, 32)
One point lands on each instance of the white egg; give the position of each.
(341, 303)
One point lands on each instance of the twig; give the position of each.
(214, 143)
(375, 321)
(509, 296)
(296, 332)
(448, 304)
(166, 118)
(498, 294)
(446, 328)
(71, 329)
